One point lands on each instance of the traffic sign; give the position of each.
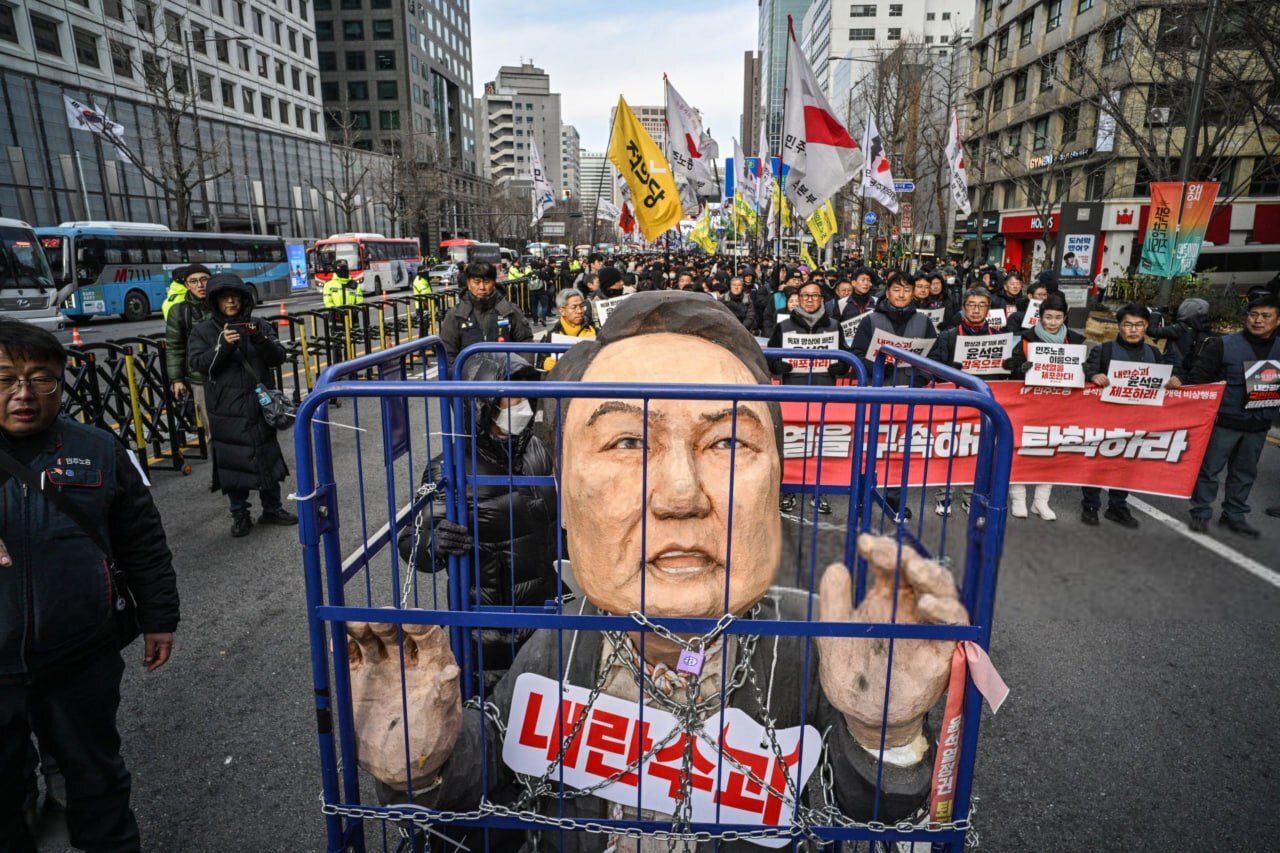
(904, 186)
(871, 229)
(870, 218)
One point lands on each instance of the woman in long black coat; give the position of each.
(235, 353)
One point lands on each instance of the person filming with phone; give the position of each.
(235, 353)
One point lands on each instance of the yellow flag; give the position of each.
(807, 258)
(647, 172)
(744, 210)
(702, 235)
(822, 224)
(780, 203)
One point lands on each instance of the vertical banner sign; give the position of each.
(297, 255)
(1197, 208)
(1079, 227)
(1157, 248)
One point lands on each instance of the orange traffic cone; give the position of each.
(76, 340)
(284, 317)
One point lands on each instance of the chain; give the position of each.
(411, 576)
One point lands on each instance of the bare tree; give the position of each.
(343, 189)
(184, 162)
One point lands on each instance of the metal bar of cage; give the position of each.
(327, 609)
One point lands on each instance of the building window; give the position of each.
(1070, 124)
(1055, 15)
(1040, 134)
(1113, 47)
(1002, 44)
(180, 79)
(1013, 142)
(295, 79)
(246, 96)
(895, 10)
(895, 33)
(204, 84)
(384, 29)
(389, 119)
(45, 33)
(293, 40)
(360, 119)
(1076, 59)
(1084, 6)
(1047, 67)
(258, 23)
(277, 29)
(222, 48)
(198, 40)
(350, 5)
(114, 9)
(173, 27)
(1020, 87)
(228, 94)
(262, 65)
(280, 72)
(382, 4)
(239, 13)
(302, 13)
(357, 90)
(266, 107)
(384, 60)
(311, 84)
(329, 91)
(1025, 29)
(862, 34)
(355, 60)
(929, 16)
(353, 30)
(86, 48)
(946, 16)
(863, 11)
(1095, 187)
(327, 60)
(324, 30)
(388, 90)
(986, 9)
(121, 60)
(315, 120)
(929, 40)
(997, 96)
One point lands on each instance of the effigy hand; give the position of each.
(430, 706)
(854, 670)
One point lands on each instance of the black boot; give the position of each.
(241, 522)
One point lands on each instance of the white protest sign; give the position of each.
(825, 340)
(647, 761)
(1262, 384)
(1136, 384)
(557, 338)
(850, 326)
(605, 306)
(1056, 365)
(1032, 315)
(982, 355)
(934, 314)
(883, 338)
(995, 319)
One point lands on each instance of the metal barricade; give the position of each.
(370, 479)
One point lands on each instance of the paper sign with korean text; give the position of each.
(983, 355)
(1032, 315)
(1064, 436)
(825, 340)
(1262, 384)
(605, 306)
(850, 326)
(996, 319)
(1136, 384)
(934, 314)
(882, 338)
(645, 762)
(1056, 365)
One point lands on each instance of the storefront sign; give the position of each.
(1047, 160)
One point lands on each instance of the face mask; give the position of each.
(513, 421)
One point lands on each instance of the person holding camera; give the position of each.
(235, 353)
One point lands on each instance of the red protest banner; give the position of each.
(1106, 445)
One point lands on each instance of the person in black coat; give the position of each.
(515, 562)
(738, 301)
(482, 314)
(235, 353)
(808, 318)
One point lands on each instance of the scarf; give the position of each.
(811, 319)
(1043, 334)
(980, 329)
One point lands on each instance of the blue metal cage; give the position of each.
(359, 495)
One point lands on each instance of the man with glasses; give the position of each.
(1129, 345)
(60, 663)
(1244, 415)
(185, 315)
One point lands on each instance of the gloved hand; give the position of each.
(782, 368)
(452, 538)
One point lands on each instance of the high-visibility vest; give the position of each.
(176, 293)
(338, 292)
(422, 285)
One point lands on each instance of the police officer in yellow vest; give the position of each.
(340, 290)
(176, 293)
(421, 290)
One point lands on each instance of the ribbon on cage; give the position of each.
(967, 659)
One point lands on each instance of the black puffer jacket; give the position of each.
(516, 526)
(246, 452)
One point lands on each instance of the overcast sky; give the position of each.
(596, 50)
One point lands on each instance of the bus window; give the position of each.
(22, 264)
(54, 252)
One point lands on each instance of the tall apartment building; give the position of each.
(570, 163)
(397, 78)
(1041, 72)
(597, 181)
(244, 72)
(652, 119)
(771, 50)
(749, 126)
(517, 108)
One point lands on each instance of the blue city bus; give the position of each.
(125, 268)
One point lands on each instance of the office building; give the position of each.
(598, 179)
(570, 166)
(749, 127)
(243, 77)
(518, 108)
(771, 50)
(652, 119)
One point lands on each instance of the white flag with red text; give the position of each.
(691, 150)
(819, 152)
(955, 157)
(877, 176)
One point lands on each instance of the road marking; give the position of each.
(822, 525)
(1224, 551)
